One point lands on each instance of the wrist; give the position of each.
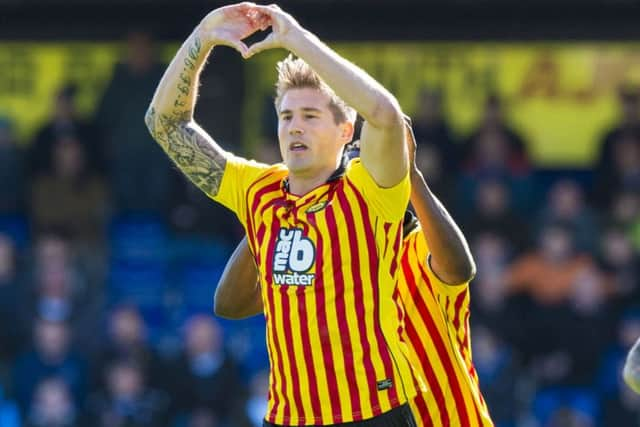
(295, 38)
(200, 32)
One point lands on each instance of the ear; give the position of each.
(346, 131)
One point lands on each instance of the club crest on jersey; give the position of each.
(294, 256)
(317, 207)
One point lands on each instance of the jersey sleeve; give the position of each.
(444, 288)
(440, 287)
(390, 203)
(239, 175)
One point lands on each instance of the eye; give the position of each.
(310, 116)
(285, 118)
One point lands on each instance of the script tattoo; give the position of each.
(200, 160)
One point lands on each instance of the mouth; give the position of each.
(297, 146)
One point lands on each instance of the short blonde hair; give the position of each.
(295, 73)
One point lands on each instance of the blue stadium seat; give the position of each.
(138, 238)
(197, 283)
(143, 284)
(9, 414)
(16, 227)
(200, 251)
(581, 400)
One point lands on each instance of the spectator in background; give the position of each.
(256, 404)
(128, 143)
(620, 263)
(51, 356)
(625, 213)
(64, 123)
(562, 293)
(492, 213)
(52, 406)
(548, 273)
(495, 152)
(499, 373)
(436, 156)
(494, 145)
(127, 400)
(70, 198)
(12, 173)
(59, 291)
(10, 307)
(493, 306)
(566, 207)
(203, 417)
(627, 127)
(204, 376)
(622, 170)
(127, 340)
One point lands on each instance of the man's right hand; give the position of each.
(229, 25)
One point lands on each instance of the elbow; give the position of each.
(226, 311)
(630, 378)
(464, 272)
(150, 120)
(387, 113)
(470, 270)
(626, 374)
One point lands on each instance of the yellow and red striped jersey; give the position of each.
(436, 330)
(327, 263)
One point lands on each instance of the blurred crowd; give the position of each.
(109, 260)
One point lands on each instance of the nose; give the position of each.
(295, 127)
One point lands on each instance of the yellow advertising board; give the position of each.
(560, 96)
(31, 74)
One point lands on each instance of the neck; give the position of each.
(300, 183)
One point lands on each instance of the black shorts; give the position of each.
(397, 417)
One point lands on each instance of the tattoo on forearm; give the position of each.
(184, 85)
(200, 159)
(194, 51)
(196, 157)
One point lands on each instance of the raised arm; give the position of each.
(631, 371)
(238, 292)
(383, 152)
(170, 115)
(450, 258)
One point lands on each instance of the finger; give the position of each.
(238, 45)
(267, 10)
(265, 22)
(258, 18)
(268, 43)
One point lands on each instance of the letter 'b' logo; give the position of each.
(293, 251)
(294, 254)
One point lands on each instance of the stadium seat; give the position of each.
(143, 284)
(138, 238)
(581, 400)
(16, 227)
(196, 285)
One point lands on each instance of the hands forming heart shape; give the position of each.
(229, 25)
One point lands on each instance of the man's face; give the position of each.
(310, 140)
